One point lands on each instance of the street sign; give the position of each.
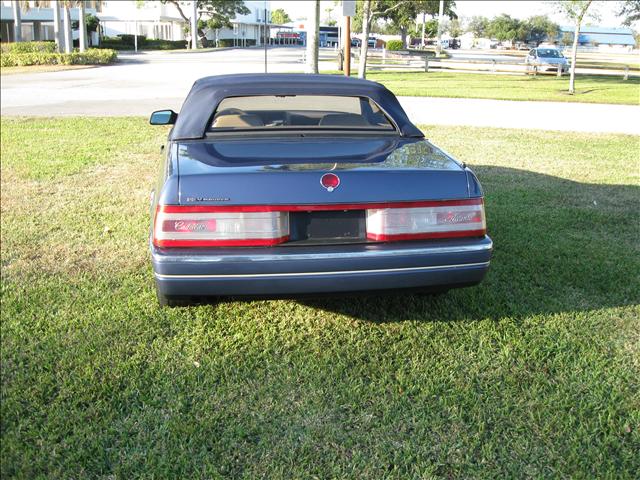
(348, 8)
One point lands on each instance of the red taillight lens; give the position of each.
(177, 226)
(447, 219)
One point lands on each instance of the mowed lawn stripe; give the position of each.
(544, 88)
(534, 373)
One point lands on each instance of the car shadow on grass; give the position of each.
(559, 246)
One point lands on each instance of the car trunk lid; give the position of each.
(289, 171)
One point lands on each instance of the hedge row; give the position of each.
(118, 43)
(228, 42)
(92, 56)
(29, 47)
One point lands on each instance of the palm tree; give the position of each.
(82, 26)
(312, 38)
(17, 21)
(67, 5)
(56, 25)
(66, 25)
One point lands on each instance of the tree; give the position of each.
(539, 28)
(575, 10)
(478, 25)
(280, 17)
(455, 28)
(630, 9)
(504, 28)
(328, 20)
(313, 34)
(215, 14)
(397, 11)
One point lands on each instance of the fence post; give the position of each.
(493, 65)
(426, 64)
(559, 70)
(626, 72)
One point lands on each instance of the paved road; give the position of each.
(146, 82)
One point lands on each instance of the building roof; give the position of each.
(206, 93)
(603, 35)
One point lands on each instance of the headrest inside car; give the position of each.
(343, 120)
(238, 121)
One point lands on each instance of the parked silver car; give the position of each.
(544, 59)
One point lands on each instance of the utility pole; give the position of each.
(347, 46)
(194, 25)
(348, 11)
(440, 14)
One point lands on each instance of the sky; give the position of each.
(518, 9)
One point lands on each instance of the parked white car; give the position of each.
(544, 59)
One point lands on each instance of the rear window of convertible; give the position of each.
(299, 112)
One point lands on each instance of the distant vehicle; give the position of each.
(356, 42)
(544, 59)
(300, 184)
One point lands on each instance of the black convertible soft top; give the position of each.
(206, 93)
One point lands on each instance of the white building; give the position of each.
(152, 19)
(37, 22)
(247, 29)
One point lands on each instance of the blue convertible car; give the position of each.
(295, 184)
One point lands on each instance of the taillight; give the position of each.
(446, 219)
(177, 226)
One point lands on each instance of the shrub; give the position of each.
(394, 45)
(128, 39)
(93, 56)
(29, 47)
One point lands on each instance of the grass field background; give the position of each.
(546, 88)
(534, 373)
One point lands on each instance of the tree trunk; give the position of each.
(312, 38)
(574, 55)
(364, 46)
(424, 22)
(194, 25)
(403, 36)
(68, 39)
(440, 15)
(56, 26)
(82, 26)
(17, 22)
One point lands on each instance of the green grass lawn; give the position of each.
(535, 373)
(549, 88)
